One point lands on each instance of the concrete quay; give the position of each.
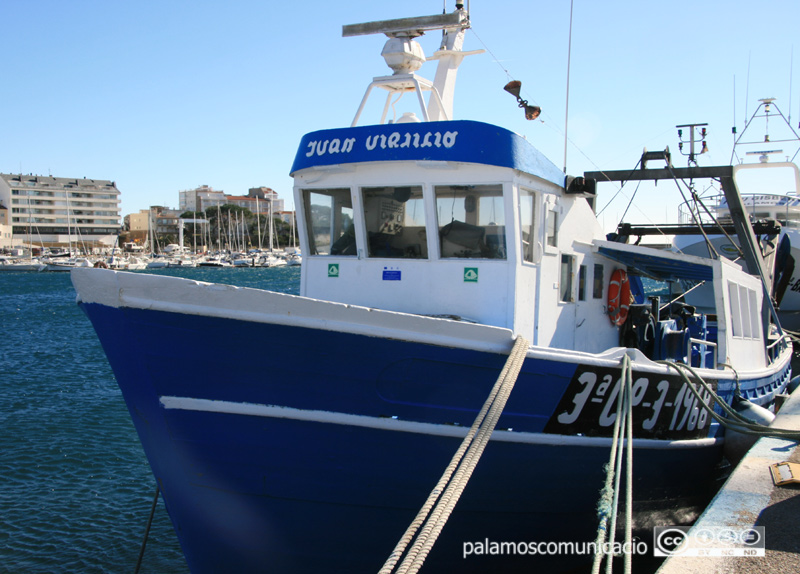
(750, 498)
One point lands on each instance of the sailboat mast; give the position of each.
(258, 220)
(270, 224)
(219, 228)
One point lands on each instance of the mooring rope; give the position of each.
(609, 495)
(736, 422)
(147, 529)
(442, 500)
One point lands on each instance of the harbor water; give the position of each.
(75, 487)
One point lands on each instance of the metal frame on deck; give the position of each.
(725, 174)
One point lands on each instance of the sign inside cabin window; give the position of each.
(395, 221)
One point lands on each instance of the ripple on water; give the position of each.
(76, 487)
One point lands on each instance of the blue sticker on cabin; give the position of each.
(391, 274)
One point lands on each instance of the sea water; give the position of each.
(75, 487)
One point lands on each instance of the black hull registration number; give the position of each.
(663, 406)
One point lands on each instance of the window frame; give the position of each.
(567, 290)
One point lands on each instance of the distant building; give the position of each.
(200, 199)
(166, 220)
(59, 211)
(162, 220)
(5, 229)
(137, 225)
(286, 216)
(203, 197)
(266, 196)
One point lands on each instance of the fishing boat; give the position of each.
(444, 261)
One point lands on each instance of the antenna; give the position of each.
(569, 58)
(747, 87)
(700, 129)
(791, 69)
(763, 156)
(733, 129)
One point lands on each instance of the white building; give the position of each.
(203, 197)
(6, 238)
(199, 199)
(60, 211)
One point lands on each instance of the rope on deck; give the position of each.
(442, 500)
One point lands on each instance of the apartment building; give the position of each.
(61, 211)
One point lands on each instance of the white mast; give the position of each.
(270, 224)
(258, 220)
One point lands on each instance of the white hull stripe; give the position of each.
(390, 424)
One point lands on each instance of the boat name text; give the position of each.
(394, 140)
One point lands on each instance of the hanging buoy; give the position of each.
(619, 297)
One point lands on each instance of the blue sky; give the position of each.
(165, 96)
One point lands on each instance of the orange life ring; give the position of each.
(619, 297)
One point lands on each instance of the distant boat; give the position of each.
(67, 264)
(441, 258)
(7, 264)
(244, 262)
(213, 262)
(766, 205)
(158, 263)
(272, 260)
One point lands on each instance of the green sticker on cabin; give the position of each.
(470, 274)
(333, 270)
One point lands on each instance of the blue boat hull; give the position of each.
(293, 449)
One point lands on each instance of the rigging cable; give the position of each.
(610, 201)
(633, 196)
(696, 216)
(556, 129)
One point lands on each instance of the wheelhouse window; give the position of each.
(551, 226)
(471, 221)
(565, 285)
(395, 222)
(597, 281)
(329, 220)
(527, 213)
(582, 283)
